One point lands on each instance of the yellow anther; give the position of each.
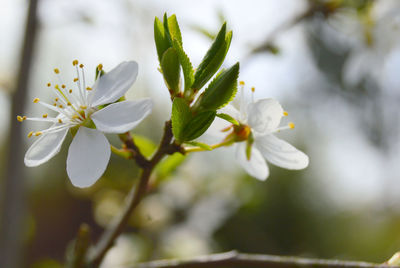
(38, 133)
(69, 104)
(100, 67)
(45, 115)
(76, 79)
(20, 118)
(83, 107)
(88, 88)
(56, 87)
(56, 99)
(54, 104)
(291, 125)
(49, 84)
(241, 83)
(75, 62)
(56, 70)
(61, 106)
(63, 86)
(253, 89)
(36, 100)
(70, 91)
(81, 65)
(285, 113)
(60, 121)
(75, 116)
(24, 118)
(30, 134)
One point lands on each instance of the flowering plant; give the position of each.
(202, 95)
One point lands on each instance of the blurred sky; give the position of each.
(344, 164)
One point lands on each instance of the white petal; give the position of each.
(281, 153)
(256, 166)
(88, 157)
(44, 148)
(114, 84)
(122, 116)
(230, 110)
(264, 115)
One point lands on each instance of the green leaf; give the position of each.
(200, 144)
(180, 117)
(169, 165)
(146, 146)
(166, 29)
(228, 118)
(220, 91)
(198, 125)
(213, 58)
(171, 70)
(160, 38)
(187, 67)
(174, 30)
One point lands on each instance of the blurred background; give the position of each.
(333, 65)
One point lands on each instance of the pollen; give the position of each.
(36, 100)
(81, 65)
(38, 133)
(285, 113)
(100, 67)
(241, 83)
(30, 134)
(45, 115)
(291, 125)
(56, 70)
(76, 79)
(75, 62)
(89, 88)
(75, 116)
(60, 121)
(49, 84)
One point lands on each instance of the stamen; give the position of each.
(38, 133)
(60, 121)
(70, 91)
(49, 84)
(45, 115)
(30, 134)
(100, 67)
(285, 113)
(56, 70)
(36, 100)
(75, 116)
(291, 125)
(81, 65)
(88, 88)
(253, 89)
(241, 83)
(20, 118)
(75, 62)
(61, 106)
(56, 99)
(76, 79)
(63, 86)
(83, 107)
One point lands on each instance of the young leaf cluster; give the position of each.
(194, 109)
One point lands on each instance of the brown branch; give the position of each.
(13, 195)
(134, 197)
(235, 259)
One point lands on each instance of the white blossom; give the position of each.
(88, 112)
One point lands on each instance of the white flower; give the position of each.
(259, 121)
(83, 113)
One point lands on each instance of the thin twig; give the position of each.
(235, 259)
(133, 199)
(13, 195)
